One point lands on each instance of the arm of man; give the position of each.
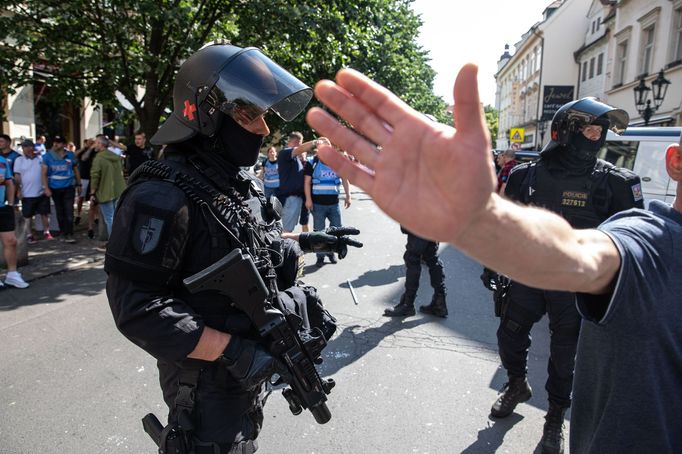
(305, 146)
(346, 189)
(307, 189)
(43, 178)
(453, 168)
(9, 191)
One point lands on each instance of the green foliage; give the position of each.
(97, 47)
(492, 118)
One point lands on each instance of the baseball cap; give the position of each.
(27, 143)
(59, 139)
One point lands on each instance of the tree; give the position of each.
(95, 48)
(492, 117)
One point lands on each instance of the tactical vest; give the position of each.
(583, 200)
(270, 174)
(325, 180)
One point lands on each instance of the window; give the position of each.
(621, 154)
(600, 64)
(593, 25)
(621, 62)
(584, 76)
(598, 23)
(591, 67)
(647, 49)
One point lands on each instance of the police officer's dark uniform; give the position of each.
(569, 180)
(184, 213)
(418, 249)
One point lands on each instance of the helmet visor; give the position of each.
(251, 84)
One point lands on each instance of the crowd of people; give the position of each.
(38, 182)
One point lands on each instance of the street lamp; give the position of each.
(659, 87)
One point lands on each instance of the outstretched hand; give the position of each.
(432, 179)
(333, 239)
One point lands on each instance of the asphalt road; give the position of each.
(71, 383)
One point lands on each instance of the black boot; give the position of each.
(553, 434)
(515, 391)
(437, 306)
(404, 308)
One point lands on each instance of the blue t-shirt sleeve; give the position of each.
(285, 154)
(645, 246)
(6, 169)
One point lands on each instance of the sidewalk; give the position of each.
(46, 258)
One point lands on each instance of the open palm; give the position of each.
(432, 179)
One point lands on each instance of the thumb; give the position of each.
(467, 114)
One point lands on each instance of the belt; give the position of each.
(243, 447)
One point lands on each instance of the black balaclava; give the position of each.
(579, 155)
(235, 144)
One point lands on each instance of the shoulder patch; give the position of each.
(637, 192)
(147, 233)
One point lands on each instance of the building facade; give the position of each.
(600, 48)
(528, 97)
(647, 38)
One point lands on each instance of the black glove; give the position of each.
(333, 239)
(249, 363)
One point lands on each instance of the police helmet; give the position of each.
(571, 117)
(225, 79)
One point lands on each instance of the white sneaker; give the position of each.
(16, 281)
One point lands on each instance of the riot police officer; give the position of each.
(569, 180)
(418, 249)
(186, 212)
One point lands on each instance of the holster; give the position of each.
(501, 296)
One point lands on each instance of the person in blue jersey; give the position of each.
(7, 226)
(270, 173)
(7, 152)
(322, 187)
(60, 179)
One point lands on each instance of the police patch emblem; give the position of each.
(148, 235)
(637, 192)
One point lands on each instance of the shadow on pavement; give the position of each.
(354, 342)
(55, 289)
(491, 437)
(375, 278)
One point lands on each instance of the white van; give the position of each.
(642, 150)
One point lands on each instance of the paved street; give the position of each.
(70, 383)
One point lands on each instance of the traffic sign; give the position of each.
(516, 135)
(515, 146)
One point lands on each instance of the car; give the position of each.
(642, 150)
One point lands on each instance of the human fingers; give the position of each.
(342, 136)
(468, 115)
(344, 230)
(350, 241)
(353, 110)
(387, 106)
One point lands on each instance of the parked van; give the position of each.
(642, 150)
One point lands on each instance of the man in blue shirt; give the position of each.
(290, 163)
(626, 273)
(60, 180)
(7, 152)
(7, 226)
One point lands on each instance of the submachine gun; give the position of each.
(499, 284)
(236, 277)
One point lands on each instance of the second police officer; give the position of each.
(568, 179)
(188, 211)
